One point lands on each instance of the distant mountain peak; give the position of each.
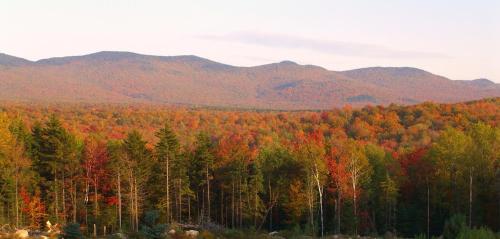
(113, 54)
(287, 62)
(397, 74)
(97, 56)
(8, 60)
(120, 76)
(188, 59)
(483, 81)
(394, 70)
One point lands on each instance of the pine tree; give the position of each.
(166, 152)
(51, 144)
(204, 158)
(138, 163)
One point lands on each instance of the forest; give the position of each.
(408, 171)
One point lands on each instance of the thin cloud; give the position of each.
(322, 46)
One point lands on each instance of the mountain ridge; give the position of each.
(111, 76)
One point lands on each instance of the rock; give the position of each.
(192, 233)
(121, 235)
(273, 233)
(49, 227)
(171, 232)
(21, 234)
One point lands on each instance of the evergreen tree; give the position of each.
(203, 159)
(52, 146)
(138, 163)
(166, 151)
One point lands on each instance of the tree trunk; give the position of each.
(232, 204)
(136, 205)
(63, 197)
(180, 200)
(320, 192)
(119, 204)
(132, 218)
(189, 209)
(309, 190)
(255, 210)
(339, 211)
(270, 201)
(208, 195)
(221, 206)
(56, 209)
(454, 190)
(17, 201)
(168, 189)
(355, 208)
(428, 210)
(240, 207)
(470, 198)
(96, 204)
(203, 205)
(74, 200)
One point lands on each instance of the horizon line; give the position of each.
(238, 66)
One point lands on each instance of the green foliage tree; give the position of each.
(52, 148)
(482, 233)
(203, 159)
(482, 158)
(166, 152)
(256, 187)
(453, 226)
(71, 231)
(280, 169)
(15, 165)
(312, 152)
(359, 171)
(450, 151)
(363, 171)
(150, 228)
(138, 162)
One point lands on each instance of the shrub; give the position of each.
(150, 229)
(206, 235)
(480, 233)
(453, 226)
(71, 231)
(421, 236)
(232, 233)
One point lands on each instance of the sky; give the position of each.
(459, 39)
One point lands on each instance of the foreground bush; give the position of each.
(150, 229)
(71, 231)
(479, 233)
(453, 226)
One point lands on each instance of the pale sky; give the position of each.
(459, 39)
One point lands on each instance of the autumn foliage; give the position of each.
(373, 170)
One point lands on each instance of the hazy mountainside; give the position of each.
(6, 60)
(130, 77)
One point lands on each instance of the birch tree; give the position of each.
(358, 170)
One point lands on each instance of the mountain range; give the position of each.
(125, 77)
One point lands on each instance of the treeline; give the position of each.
(404, 170)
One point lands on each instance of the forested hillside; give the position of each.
(399, 169)
(126, 77)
